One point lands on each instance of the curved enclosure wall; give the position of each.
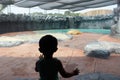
(20, 22)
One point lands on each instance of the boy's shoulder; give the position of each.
(54, 59)
(57, 60)
(39, 61)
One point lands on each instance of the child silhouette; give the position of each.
(48, 66)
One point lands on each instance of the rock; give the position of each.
(74, 32)
(99, 54)
(115, 29)
(101, 49)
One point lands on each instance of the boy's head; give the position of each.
(48, 45)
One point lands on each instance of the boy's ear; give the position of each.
(56, 49)
(39, 49)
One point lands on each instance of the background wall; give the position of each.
(20, 22)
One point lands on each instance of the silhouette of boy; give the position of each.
(48, 67)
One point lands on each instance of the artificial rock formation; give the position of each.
(115, 29)
(101, 49)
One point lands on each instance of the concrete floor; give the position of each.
(14, 64)
(18, 63)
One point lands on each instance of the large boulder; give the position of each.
(104, 54)
(115, 29)
(101, 49)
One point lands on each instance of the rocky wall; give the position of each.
(15, 23)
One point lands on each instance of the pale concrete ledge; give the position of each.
(97, 76)
(6, 41)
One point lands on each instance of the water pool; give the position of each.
(97, 31)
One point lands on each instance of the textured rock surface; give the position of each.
(101, 47)
(99, 54)
(115, 29)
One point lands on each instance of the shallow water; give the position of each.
(98, 31)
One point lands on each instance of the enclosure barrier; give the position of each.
(22, 22)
